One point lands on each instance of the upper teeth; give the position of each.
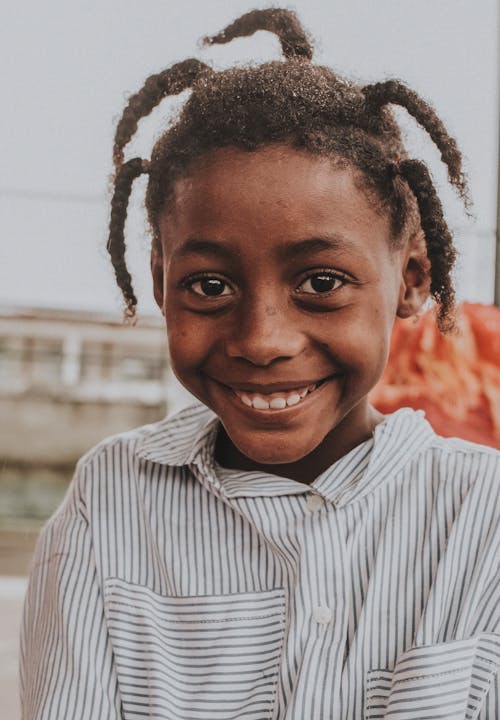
(274, 401)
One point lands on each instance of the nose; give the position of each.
(265, 332)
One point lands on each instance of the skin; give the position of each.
(271, 222)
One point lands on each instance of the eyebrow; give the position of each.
(193, 246)
(291, 251)
(288, 251)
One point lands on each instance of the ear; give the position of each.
(415, 278)
(158, 274)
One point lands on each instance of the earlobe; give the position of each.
(416, 278)
(158, 276)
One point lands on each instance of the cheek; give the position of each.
(360, 344)
(377, 346)
(188, 341)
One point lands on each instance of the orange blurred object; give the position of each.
(454, 378)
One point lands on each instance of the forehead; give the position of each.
(276, 194)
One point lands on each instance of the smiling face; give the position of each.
(280, 289)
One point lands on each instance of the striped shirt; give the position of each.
(166, 586)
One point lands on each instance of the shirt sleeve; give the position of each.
(66, 659)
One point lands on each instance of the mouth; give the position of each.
(279, 399)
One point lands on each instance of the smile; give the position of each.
(276, 400)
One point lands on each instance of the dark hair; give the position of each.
(305, 106)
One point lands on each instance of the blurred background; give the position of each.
(70, 372)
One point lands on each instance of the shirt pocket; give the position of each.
(448, 681)
(180, 658)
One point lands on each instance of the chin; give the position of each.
(268, 449)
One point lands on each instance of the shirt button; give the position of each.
(314, 502)
(322, 614)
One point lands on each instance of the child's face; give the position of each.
(280, 290)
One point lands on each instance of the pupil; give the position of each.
(322, 283)
(212, 286)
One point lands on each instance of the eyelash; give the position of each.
(335, 275)
(191, 281)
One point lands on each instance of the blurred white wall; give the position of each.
(68, 68)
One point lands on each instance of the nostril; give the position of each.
(264, 333)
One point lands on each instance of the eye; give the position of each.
(321, 283)
(209, 287)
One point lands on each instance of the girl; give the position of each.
(281, 550)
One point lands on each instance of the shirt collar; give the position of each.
(396, 441)
(188, 438)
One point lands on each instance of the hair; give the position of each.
(306, 106)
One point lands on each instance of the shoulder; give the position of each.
(464, 453)
(116, 460)
(407, 444)
(449, 484)
(472, 469)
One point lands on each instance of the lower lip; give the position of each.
(273, 414)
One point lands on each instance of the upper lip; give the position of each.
(268, 388)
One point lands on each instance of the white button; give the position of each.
(322, 614)
(314, 502)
